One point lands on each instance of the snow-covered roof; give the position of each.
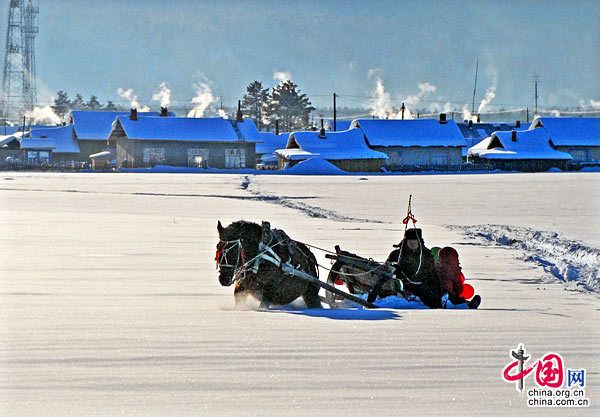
(339, 125)
(417, 132)
(269, 142)
(347, 144)
(248, 129)
(529, 144)
(6, 139)
(202, 129)
(476, 132)
(60, 139)
(97, 125)
(571, 131)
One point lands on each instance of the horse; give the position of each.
(237, 253)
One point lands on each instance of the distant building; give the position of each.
(420, 143)
(180, 141)
(476, 132)
(578, 136)
(10, 148)
(346, 149)
(50, 144)
(528, 150)
(91, 129)
(266, 142)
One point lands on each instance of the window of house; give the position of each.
(197, 157)
(439, 159)
(235, 158)
(579, 155)
(153, 156)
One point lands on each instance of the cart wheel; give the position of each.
(332, 299)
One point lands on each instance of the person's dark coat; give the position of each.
(416, 269)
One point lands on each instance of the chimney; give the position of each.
(322, 130)
(402, 110)
(518, 123)
(164, 112)
(276, 127)
(238, 115)
(133, 114)
(478, 118)
(443, 118)
(470, 122)
(513, 135)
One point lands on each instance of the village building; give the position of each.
(476, 132)
(10, 148)
(91, 129)
(346, 150)
(527, 150)
(415, 144)
(266, 143)
(50, 145)
(578, 136)
(180, 141)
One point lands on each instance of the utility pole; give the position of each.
(334, 113)
(475, 87)
(536, 80)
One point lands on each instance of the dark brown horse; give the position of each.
(237, 253)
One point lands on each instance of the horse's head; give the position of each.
(238, 243)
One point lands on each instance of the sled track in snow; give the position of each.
(570, 261)
(307, 209)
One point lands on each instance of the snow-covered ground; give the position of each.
(110, 304)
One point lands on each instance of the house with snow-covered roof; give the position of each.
(476, 132)
(50, 144)
(578, 136)
(525, 150)
(346, 149)
(180, 141)
(418, 143)
(92, 128)
(266, 142)
(10, 148)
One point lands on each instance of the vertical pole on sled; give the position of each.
(408, 212)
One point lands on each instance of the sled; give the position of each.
(360, 276)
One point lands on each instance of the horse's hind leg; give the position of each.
(311, 297)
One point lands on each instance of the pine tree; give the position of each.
(94, 104)
(62, 105)
(256, 103)
(110, 106)
(291, 108)
(78, 103)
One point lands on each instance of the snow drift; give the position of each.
(571, 261)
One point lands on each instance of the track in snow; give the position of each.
(570, 261)
(307, 209)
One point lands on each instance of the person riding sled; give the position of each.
(415, 267)
(452, 279)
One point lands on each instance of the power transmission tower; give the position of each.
(18, 81)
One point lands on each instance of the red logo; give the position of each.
(549, 371)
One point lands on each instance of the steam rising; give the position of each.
(381, 103)
(127, 94)
(282, 76)
(163, 94)
(43, 116)
(595, 104)
(490, 94)
(203, 99)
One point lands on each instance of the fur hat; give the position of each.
(413, 233)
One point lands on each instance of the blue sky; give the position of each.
(95, 47)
